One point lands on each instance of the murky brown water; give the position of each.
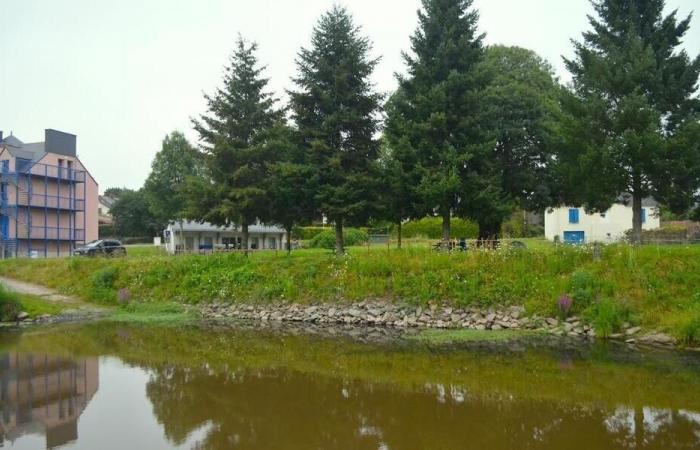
(137, 387)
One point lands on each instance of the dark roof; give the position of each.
(107, 201)
(647, 202)
(12, 141)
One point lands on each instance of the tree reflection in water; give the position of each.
(256, 389)
(291, 410)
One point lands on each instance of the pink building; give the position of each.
(48, 200)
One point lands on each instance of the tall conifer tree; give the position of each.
(241, 115)
(437, 113)
(336, 112)
(633, 96)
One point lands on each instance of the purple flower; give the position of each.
(564, 304)
(123, 296)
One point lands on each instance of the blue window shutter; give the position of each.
(644, 215)
(573, 215)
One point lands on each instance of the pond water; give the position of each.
(110, 386)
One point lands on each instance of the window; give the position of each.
(23, 165)
(644, 215)
(573, 215)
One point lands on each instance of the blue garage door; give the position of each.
(574, 237)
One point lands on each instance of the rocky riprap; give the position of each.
(385, 314)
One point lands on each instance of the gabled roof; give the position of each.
(12, 141)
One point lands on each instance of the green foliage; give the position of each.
(689, 329)
(306, 233)
(335, 110)
(326, 239)
(37, 306)
(241, 117)
(164, 188)
(9, 305)
(132, 216)
(106, 231)
(105, 278)
(659, 290)
(584, 288)
(431, 228)
(626, 127)
(519, 111)
(516, 227)
(607, 316)
(431, 122)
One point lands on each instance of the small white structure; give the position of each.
(196, 237)
(574, 226)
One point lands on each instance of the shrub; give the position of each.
(607, 316)
(104, 278)
(584, 288)
(307, 233)
(9, 305)
(431, 228)
(351, 236)
(689, 327)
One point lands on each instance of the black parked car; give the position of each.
(103, 247)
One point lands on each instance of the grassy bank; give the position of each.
(652, 286)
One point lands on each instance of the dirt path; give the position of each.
(49, 294)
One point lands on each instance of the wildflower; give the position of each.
(123, 296)
(564, 304)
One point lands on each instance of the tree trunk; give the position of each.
(636, 217)
(398, 235)
(489, 234)
(244, 228)
(339, 244)
(289, 240)
(446, 216)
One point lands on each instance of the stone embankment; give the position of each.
(408, 317)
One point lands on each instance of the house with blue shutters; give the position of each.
(574, 225)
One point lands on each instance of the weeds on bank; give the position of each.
(651, 285)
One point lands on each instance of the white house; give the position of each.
(575, 226)
(193, 237)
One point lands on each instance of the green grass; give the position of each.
(653, 286)
(37, 306)
(160, 313)
(457, 336)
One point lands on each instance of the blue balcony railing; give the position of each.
(52, 202)
(44, 170)
(50, 233)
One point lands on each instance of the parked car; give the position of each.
(102, 247)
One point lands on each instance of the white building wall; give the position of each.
(611, 228)
(264, 241)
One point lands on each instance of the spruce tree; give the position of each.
(290, 181)
(634, 92)
(437, 113)
(240, 117)
(336, 112)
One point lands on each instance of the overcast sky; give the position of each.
(122, 74)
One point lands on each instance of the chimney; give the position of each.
(0, 135)
(59, 142)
